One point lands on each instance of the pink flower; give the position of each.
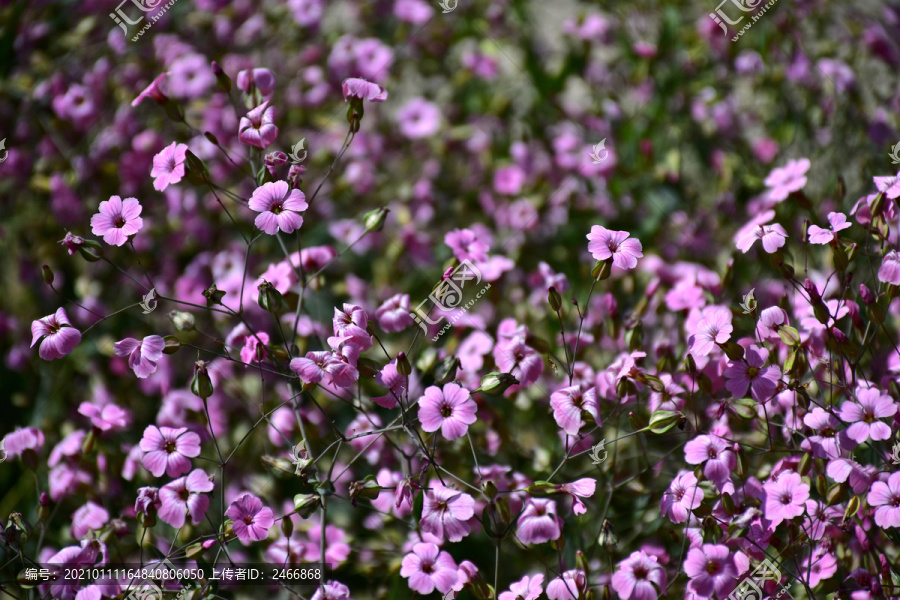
(715, 452)
(752, 373)
(185, 496)
(333, 590)
(56, 333)
(451, 410)
(787, 179)
(419, 118)
(838, 221)
(143, 355)
(529, 588)
(770, 321)
(445, 512)
(772, 236)
(714, 328)
(251, 519)
(261, 79)
(389, 377)
(316, 366)
(117, 220)
(711, 569)
(393, 314)
(20, 440)
(106, 418)
(872, 405)
(427, 569)
(509, 180)
(570, 586)
(683, 496)
(826, 443)
(886, 498)
(637, 575)
(466, 246)
(88, 517)
(251, 343)
(355, 87)
(279, 207)
(604, 243)
(889, 272)
(520, 360)
(583, 488)
(538, 523)
(168, 166)
(889, 186)
(785, 497)
(154, 90)
(168, 450)
(258, 127)
(72, 242)
(568, 404)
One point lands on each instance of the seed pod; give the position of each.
(201, 384)
(47, 272)
(554, 299)
(269, 298)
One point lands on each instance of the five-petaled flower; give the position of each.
(117, 220)
(279, 207)
(605, 243)
(56, 334)
(258, 127)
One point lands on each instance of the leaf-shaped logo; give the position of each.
(295, 156)
(599, 148)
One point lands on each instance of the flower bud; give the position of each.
(491, 490)
(306, 504)
(222, 79)
(821, 485)
(269, 298)
(868, 297)
(287, 526)
(183, 321)
(607, 537)
(813, 292)
(637, 423)
(446, 371)
(195, 171)
(663, 420)
(836, 493)
(495, 383)
(635, 337)
(733, 350)
(553, 298)
(542, 489)
(172, 344)
(173, 110)
(87, 446)
(368, 488)
(47, 272)
(581, 563)
(787, 271)
(877, 206)
(690, 364)
(805, 464)
(852, 508)
(201, 384)
(375, 219)
(90, 250)
(213, 295)
(403, 366)
(602, 270)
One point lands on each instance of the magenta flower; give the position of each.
(838, 221)
(520, 360)
(772, 236)
(570, 586)
(355, 87)
(251, 519)
(168, 166)
(786, 497)
(88, 517)
(885, 497)
(428, 568)
(528, 588)
(872, 405)
(117, 220)
(147, 500)
(168, 450)
(568, 405)
(333, 590)
(445, 512)
(711, 569)
(683, 496)
(889, 185)
(143, 355)
(106, 418)
(785, 180)
(826, 443)
(714, 328)
(451, 410)
(466, 246)
(770, 321)
(154, 90)
(715, 452)
(279, 207)
(604, 243)
(261, 79)
(393, 314)
(637, 575)
(419, 118)
(22, 439)
(889, 271)
(185, 496)
(249, 352)
(56, 334)
(583, 488)
(258, 127)
(72, 242)
(752, 373)
(538, 523)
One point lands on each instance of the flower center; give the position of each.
(248, 520)
(713, 453)
(277, 208)
(612, 245)
(119, 221)
(786, 499)
(752, 372)
(640, 572)
(446, 410)
(170, 447)
(184, 494)
(427, 568)
(712, 568)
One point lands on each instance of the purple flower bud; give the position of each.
(813, 292)
(868, 297)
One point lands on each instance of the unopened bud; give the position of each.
(636, 422)
(183, 321)
(805, 464)
(201, 384)
(836, 493)
(287, 526)
(47, 272)
(446, 371)
(553, 298)
(691, 364)
(541, 489)
(813, 292)
(491, 490)
(635, 337)
(90, 250)
(306, 504)
(87, 446)
(403, 366)
(222, 79)
(172, 344)
(733, 350)
(852, 508)
(877, 206)
(602, 270)
(495, 383)
(866, 294)
(269, 298)
(375, 219)
(787, 271)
